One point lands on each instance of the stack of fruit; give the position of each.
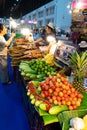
(36, 68)
(79, 68)
(54, 94)
(49, 58)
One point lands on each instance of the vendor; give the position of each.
(49, 31)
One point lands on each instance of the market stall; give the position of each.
(48, 95)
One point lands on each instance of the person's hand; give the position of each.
(13, 35)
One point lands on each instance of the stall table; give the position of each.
(35, 120)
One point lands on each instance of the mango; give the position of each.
(57, 109)
(33, 101)
(42, 106)
(37, 103)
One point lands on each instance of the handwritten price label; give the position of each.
(85, 82)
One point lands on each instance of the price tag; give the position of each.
(85, 82)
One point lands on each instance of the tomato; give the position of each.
(59, 102)
(46, 93)
(52, 87)
(42, 95)
(72, 95)
(54, 98)
(62, 79)
(76, 93)
(73, 102)
(58, 98)
(50, 100)
(55, 93)
(69, 92)
(77, 103)
(57, 84)
(70, 107)
(68, 103)
(80, 95)
(54, 79)
(63, 86)
(63, 102)
(57, 89)
(72, 89)
(74, 107)
(55, 102)
(50, 91)
(46, 87)
(61, 94)
(64, 91)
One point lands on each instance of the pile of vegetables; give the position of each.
(35, 69)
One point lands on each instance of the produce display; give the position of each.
(35, 69)
(54, 94)
(23, 52)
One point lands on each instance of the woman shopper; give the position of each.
(4, 76)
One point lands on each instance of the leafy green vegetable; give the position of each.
(48, 119)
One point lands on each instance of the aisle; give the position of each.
(12, 115)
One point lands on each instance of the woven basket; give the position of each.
(64, 117)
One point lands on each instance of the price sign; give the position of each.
(85, 82)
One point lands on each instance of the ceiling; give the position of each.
(18, 8)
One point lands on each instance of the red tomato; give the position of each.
(70, 107)
(61, 94)
(50, 91)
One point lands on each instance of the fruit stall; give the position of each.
(51, 100)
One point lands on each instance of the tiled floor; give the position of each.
(12, 115)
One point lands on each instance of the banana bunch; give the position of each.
(49, 58)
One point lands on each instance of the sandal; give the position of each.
(9, 82)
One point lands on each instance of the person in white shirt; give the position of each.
(4, 76)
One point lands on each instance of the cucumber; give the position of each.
(40, 76)
(27, 74)
(29, 70)
(33, 76)
(23, 74)
(57, 109)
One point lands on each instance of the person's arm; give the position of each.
(10, 39)
(38, 40)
